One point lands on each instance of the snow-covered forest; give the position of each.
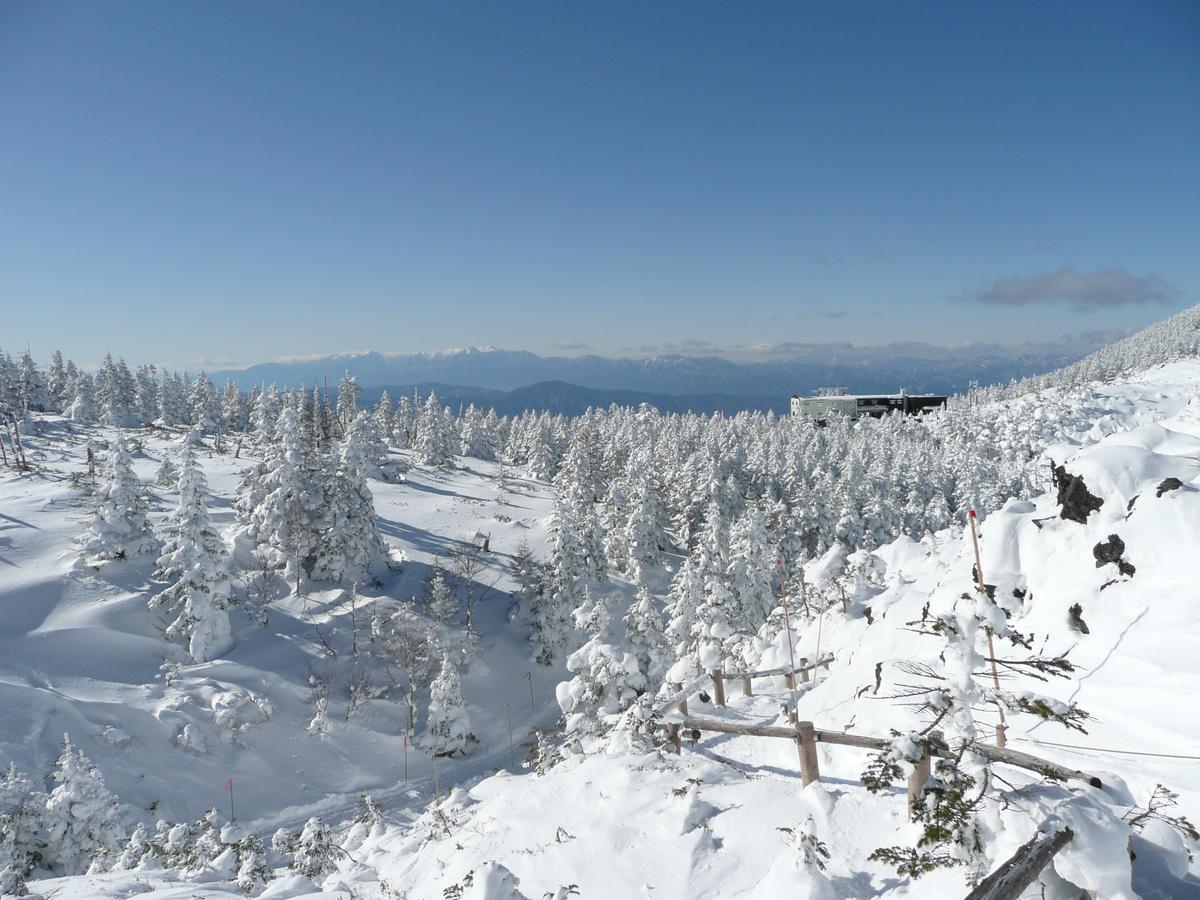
(277, 643)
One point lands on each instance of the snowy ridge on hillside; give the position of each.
(652, 556)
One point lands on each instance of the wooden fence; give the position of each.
(1006, 883)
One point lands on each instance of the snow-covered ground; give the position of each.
(80, 653)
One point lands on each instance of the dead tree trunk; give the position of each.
(1018, 872)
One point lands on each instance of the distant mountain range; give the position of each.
(511, 381)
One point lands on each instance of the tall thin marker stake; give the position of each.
(1000, 728)
(406, 759)
(529, 678)
(229, 787)
(787, 624)
(512, 756)
(817, 658)
(437, 791)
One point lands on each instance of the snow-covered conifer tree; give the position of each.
(173, 406)
(448, 729)
(117, 394)
(58, 383)
(205, 405)
(83, 407)
(279, 510)
(82, 817)
(606, 677)
(683, 605)
(350, 548)
(147, 394)
(119, 529)
(443, 604)
(645, 637)
(473, 437)
(347, 400)
(193, 559)
(434, 442)
(31, 386)
(22, 809)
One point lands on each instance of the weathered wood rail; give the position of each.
(683, 691)
(1017, 873)
(866, 742)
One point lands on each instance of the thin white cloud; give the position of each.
(1081, 290)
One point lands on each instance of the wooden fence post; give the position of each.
(718, 687)
(676, 687)
(789, 681)
(806, 741)
(804, 669)
(747, 690)
(916, 781)
(673, 734)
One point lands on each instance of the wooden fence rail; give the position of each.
(683, 691)
(865, 742)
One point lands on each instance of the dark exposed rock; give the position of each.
(1076, 500)
(1132, 500)
(1168, 484)
(1075, 617)
(1111, 551)
(1108, 551)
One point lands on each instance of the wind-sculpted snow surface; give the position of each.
(317, 704)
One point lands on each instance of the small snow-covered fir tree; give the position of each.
(205, 404)
(166, 475)
(473, 435)
(22, 810)
(448, 731)
(434, 446)
(347, 400)
(193, 557)
(644, 634)
(443, 604)
(607, 677)
(119, 529)
(280, 506)
(314, 853)
(350, 548)
(683, 604)
(82, 407)
(82, 817)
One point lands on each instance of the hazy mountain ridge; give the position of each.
(758, 385)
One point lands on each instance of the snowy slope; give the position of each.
(634, 820)
(81, 653)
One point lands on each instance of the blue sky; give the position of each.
(234, 182)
